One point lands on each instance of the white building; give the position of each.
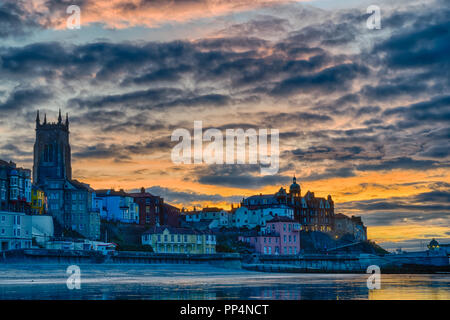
(250, 218)
(15, 231)
(218, 217)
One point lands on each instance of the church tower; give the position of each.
(52, 156)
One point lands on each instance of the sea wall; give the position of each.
(225, 260)
(310, 263)
(350, 263)
(320, 263)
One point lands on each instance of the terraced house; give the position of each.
(15, 187)
(165, 239)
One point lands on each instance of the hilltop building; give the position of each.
(313, 213)
(70, 202)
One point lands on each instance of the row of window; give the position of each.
(180, 238)
(180, 249)
(291, 250)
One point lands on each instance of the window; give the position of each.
(285, 250)
(185, 238)
(284, 227)
(295, 238)
(290, 238)
(284, 238)
(270, 250)
(165, 238)
(290, 250)
(159, 238)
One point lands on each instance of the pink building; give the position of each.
(280, 237)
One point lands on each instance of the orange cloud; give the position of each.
(150, 13)
(405, 232)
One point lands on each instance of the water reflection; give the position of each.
(106, 282)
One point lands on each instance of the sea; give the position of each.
(204, 282)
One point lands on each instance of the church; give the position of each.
(70, 202)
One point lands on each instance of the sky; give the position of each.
(362, 113)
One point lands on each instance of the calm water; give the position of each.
(101, 281)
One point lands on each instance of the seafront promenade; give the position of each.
(420, 262)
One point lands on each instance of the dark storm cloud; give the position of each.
(24, 98)
(385, 92)
(328, 33)
(399, 163)
(236, 176)
(427, 207)
(297, 118)
(189, 197)
(434, 196)
(135, 100)
(339, 153)
(326, 81)
(330, 173)
(267, 25)
(427, 45)
(14, 22)
(436, 109)
(123, 151)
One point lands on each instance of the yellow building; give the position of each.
(165, 239)
(38, 201)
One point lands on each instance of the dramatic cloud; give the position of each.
(188, 197)
(124, 14)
